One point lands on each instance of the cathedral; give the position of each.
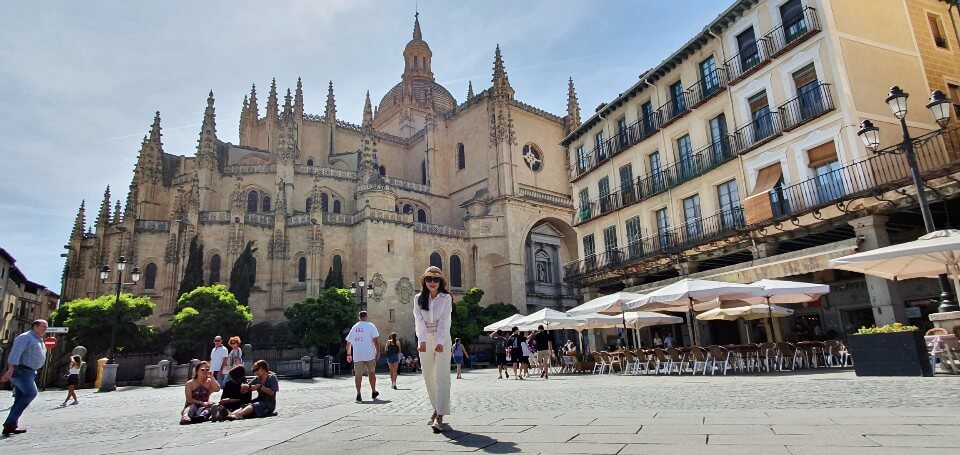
(479, 188)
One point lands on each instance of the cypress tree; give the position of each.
(330, 281)
(244, 274)
(193, 273)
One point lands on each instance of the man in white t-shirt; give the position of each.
(363, 349)
(218, 359)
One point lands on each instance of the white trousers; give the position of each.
(436, 374)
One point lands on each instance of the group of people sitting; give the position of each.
(236, 400)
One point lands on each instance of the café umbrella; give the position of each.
(927, 257)
(726, 312)
(611, 304)
(503, 324)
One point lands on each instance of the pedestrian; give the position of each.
(668, 341)
(235, 357)
(197, 392)
(73, 379)
(500, 352)
(27, 355)
(392, 348)
(233, 397)
(516, 352)
(266, 385)
(525, 353)
(218, 360)
(544, 344)
(459, 352)
(657, 341)
(363, 350)
(432, 311)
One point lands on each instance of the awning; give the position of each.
(767, 178)
(757, 206)
(822, 154)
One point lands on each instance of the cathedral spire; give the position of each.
(116, 212)
(272, 101)
(298, 101)
(103, 218)
(252, 108)
(501, 83)
(469, 90)
(243, 111)
(417, 54)
(79, 222)
(207, 144)
(287, 105)
(155, 133)
(367, 112)
(331, 110)
(573, 108)
(417, 34)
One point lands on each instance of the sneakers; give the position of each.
(394, 387)
(12, 429)
(375, 395)
(359, 399)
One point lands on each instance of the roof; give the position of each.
(718, 25)
(7, 256)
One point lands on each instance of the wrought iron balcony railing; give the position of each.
(673, 109)
(747, 61)
(792, 32)
(808, 105)
(762, 129)
(707, 87)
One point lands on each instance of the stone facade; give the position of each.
(422, 178)
(22, 302)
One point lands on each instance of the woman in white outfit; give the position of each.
(431, 313)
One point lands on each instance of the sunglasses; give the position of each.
(204, 369)
(431, 279)
(217, 341)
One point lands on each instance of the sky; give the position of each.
(80, 81)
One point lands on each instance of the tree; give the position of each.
(466, 319)
(244, 274)
(91, 320)
(334, 279)
(496, 312)
(193, 273)
(322, 321)
(205, 312)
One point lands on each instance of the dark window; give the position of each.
(253, 201)
(407, 208)
(762, 117)
(601, 149)
(589, 252)
(656, 173)
(691, 215)
(709, 80)
(936, 28)
(623, 137)
(729, 196)
(685, 152)
(677, 102)
(265, 204)
(302, 270)
(214, 269)
(383, 171)
(634, 245)
(647, 111)
(808, 92)
(718, 138)
(436, 261)
(456, 280)
(604, 187)
(749, 53)
(584, 204)
(421, 215)
(791, 13)
(461, 157)
(309, 161)
(663, 227)
(150, 276)
(324, 199)
(626, 184)
(336, 206)
(581, 160)
(337, 266)
(309, 204)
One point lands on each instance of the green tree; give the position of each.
(334, 279)
(496, 312)
(466, 318)
(205, 312)
(323, 320)
(91, 320)
(193, 273)
(244, 274)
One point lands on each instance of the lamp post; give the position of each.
(361, 284)
(104, 274)
(939, 106)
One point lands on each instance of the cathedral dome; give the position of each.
(420, 91)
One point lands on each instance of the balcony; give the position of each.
(746, 62)
(633, 134)
(792, 32)
(673, 109)
(807, 106)
(707, 87)
(761, 130)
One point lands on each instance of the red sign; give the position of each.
(50, 342)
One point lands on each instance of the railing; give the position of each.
(673, 109)
(762, 129)
(182, 178)
(384, 215)
(707, 87)
(324, 172)
(701, 230)
(258, 219)
(338, 219)
(438, 229)
(786, 36)
(299, 219)
(152, 226)
(546, 198)
(250, 169)
(635, 133)
(214, 217)
(807, 106)
(407, 185)
(742, 64)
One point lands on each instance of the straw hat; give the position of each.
(434, 272)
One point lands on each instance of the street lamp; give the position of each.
(869, 134)
(359, 284)
(104, 274)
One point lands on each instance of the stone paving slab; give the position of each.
(701, 449)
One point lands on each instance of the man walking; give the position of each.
(27, 355)
(218, 360)
(363, 349)
(500, 351)
(544, 341)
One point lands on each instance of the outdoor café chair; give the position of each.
(768, 354)
(630, 363)
(569, 364)
(722, 355)
(661, 362)
(831, 353)
(598, 364)
(608, 361)
(677, 360)
(788, 353)
(750, 356)
(643, 360)
(700, 359)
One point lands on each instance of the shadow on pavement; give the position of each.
(483, 442)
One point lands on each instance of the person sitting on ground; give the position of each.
(266, 385)
(233, 397)
(197, 392)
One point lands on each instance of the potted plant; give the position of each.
(890, 350)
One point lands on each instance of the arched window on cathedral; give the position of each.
(309, 204)
(302, 270)
(407, 208)
(265, 204)
(253, 201)
(150, 276)
(461, 157)
(323, 202)
(214, 276)
(421, 215)
(456, 279)
(436, 260)
(383, 171)
(309, 161)
(337, 269)
(336, 206)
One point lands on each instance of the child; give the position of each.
(73, 380)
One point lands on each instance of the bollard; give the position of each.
(305, 366)
(328, 366)
(100, 364)
(163, 376)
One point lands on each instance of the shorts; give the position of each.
(525, 360)
(458, 360)
(393, 358)
(543, 356)
(501, 359)
(263, 408)
(73, 379)
(515, 354)
(361, 368)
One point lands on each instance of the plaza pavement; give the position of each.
(820, 413)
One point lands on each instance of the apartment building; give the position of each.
(737, 158)
(22, 302)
